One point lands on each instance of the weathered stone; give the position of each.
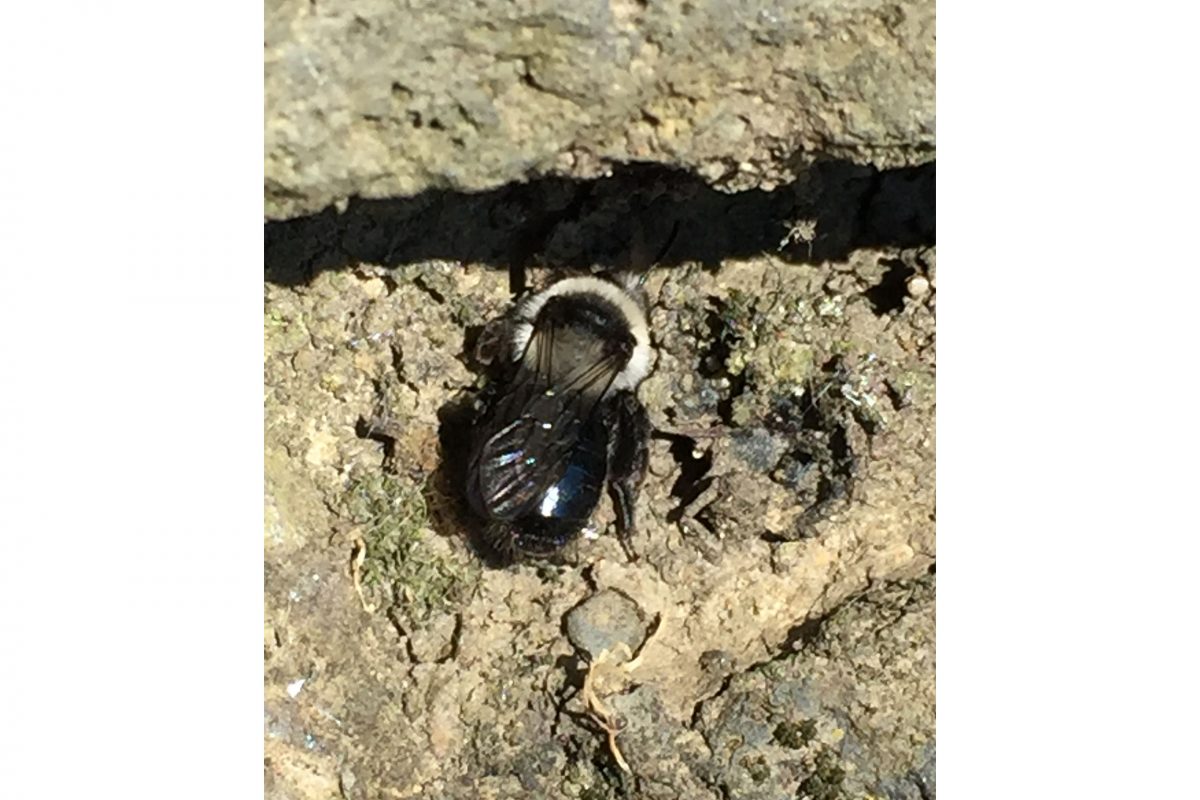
(377, 99)
(603, 621)
(851, 714)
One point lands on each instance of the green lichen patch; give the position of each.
(402, 565)
(756, 768)
(825, 781)
(795, 735)
(285, 333)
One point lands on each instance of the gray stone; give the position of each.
(378, 99)
(758, 448)
(850, 714)
(603, 620)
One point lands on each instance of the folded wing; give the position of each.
(525, 445)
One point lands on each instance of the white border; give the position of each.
(130, 410)
(131, 404)
(1067, 294)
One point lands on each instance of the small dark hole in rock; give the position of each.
(889, 294)
(691, 482)
(713, 359)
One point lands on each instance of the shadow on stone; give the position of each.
(835, 208)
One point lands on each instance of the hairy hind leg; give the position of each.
(628, 459)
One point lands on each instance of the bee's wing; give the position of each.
(534, 429)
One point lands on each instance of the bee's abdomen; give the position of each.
(575, 495)
(567, 505)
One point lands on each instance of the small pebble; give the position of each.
(603, 620)
(918, 286)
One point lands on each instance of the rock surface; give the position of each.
(378, 99)
(427, 159)
(849, 714)
(450, 678)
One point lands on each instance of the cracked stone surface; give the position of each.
(423, 161)
(818, 380)
(850, 713)
(377, 99)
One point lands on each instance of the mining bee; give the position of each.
(561, 421)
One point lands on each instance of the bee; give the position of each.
(562, 421)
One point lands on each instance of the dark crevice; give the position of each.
(715, 357)
(889, 294)
(737, 387)
(693, 477)
(698, 709)
(922, 787)
(469, 354)
(804, 634)
(424, 285)
(839, 448)
(395, 616)
(455, 641)
(565, 222)
(372, 429)
(397, 361)
(723, 335)
(900, 396)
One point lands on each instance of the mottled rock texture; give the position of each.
(427, 160)
(449, 678)
(383, 99)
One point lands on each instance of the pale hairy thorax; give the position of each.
(632, 312)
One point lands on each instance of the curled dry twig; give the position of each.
(609, 722)
(357, 556)
(622, 659)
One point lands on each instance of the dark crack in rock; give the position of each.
(850, 715)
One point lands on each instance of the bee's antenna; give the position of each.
(666, 248)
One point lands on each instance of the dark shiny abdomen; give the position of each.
(566, 506)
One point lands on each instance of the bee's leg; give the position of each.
(628, 459)
(493, 340)
(381, 429)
